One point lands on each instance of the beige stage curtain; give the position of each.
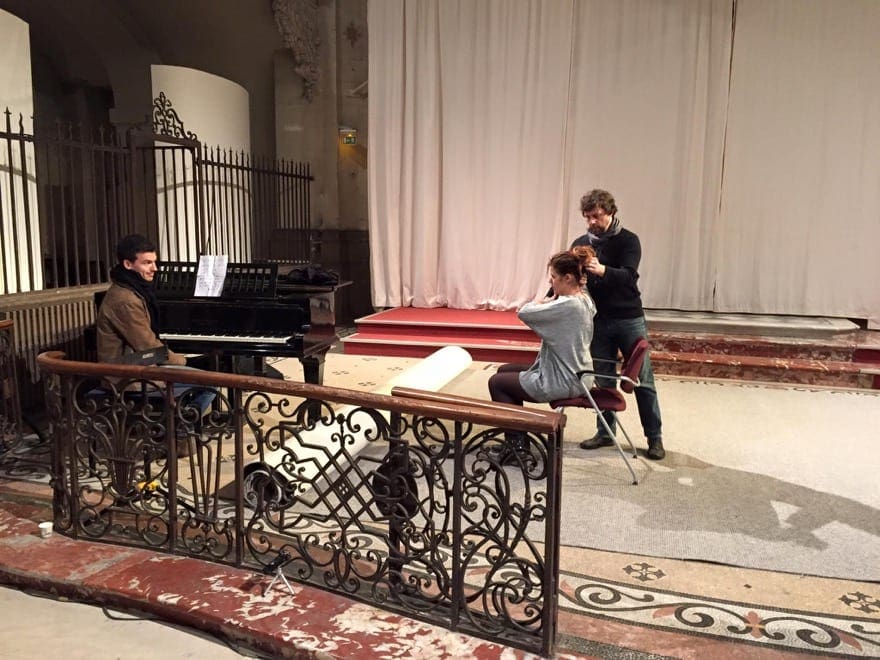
(647, 123)
(800, 214)
(743, 151)
(467, 129)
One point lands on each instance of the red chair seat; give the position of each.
(606, 399)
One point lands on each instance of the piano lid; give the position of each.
(176, 280)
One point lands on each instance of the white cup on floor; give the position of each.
(46, 529)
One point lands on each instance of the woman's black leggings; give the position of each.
(504, 385)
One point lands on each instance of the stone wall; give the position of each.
(100, 51)
(308, 121)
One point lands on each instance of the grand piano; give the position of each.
(257, 315)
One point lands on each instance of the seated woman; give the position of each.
(564, 322)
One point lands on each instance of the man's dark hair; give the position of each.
(598, 199)
(131, 246)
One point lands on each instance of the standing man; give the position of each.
(612, 281)
(128, 319)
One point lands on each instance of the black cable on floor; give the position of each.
(237, 648)
(243, 651)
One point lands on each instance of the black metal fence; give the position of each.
(392, 500)
(10, 410)
(68, 193)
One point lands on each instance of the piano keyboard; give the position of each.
(227, 339)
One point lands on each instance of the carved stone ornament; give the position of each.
(297, 20)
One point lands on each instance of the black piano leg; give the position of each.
(313, 369)
(266, 370)
(313, 372)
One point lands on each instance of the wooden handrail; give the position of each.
(445, 406)
(442, 397)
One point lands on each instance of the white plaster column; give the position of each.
(217, 111)
(21, 268)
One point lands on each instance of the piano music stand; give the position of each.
(177, 280)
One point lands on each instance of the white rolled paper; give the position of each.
(433, 373)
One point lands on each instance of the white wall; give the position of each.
(16, 92)
(217, 111)
(214, 108)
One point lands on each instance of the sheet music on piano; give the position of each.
(211, 275)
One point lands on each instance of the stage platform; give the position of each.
(816, 351)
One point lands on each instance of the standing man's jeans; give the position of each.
(609, 335)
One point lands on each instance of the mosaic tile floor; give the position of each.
(612, 604)
(679, 608)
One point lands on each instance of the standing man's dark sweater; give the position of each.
(612, 281)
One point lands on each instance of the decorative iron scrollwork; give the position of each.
(166, 121)
(410, 512)
(10, 415)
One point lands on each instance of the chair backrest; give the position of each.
(632, 364)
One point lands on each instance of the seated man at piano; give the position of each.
(233, 325)
(128, 318)
(128, 322)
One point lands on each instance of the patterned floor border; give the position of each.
(718, 619)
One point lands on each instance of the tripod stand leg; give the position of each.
(271, 584)
(286, 583)
(279, 575)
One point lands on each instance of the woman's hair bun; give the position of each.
(583, 252)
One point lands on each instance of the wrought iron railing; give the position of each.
(10, 410)
(393, 500)
(68, 193)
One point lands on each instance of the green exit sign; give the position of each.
(350, 138)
